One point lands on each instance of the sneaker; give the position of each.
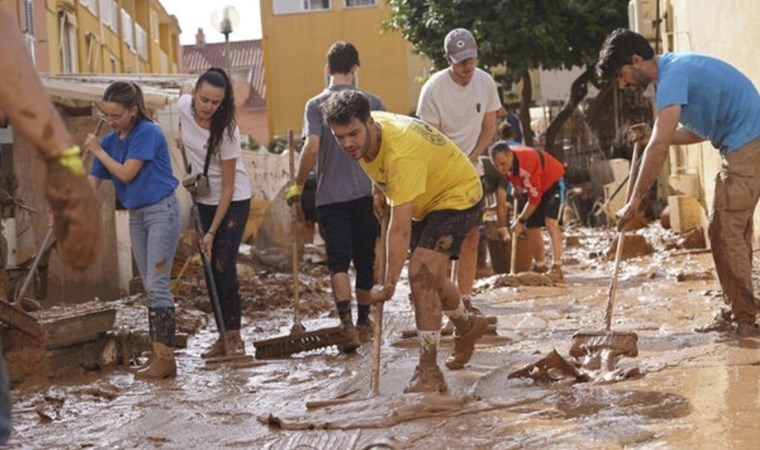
(426, 379)
(464, 341)
(555, 274)
(366, 330)
(539, 267)
(351, 342)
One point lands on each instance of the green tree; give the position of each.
(519, 36)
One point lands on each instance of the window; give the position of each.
(92, 5)
(28, 17)
(358, 3)
(154, 26)
(109, 14)
(127, 30)
(67, 42)
(141, 41)
(299, 6)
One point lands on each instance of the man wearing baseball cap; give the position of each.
(462, 102)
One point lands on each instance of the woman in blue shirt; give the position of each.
(135, 157)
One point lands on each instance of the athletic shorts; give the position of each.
(350, 230)
(548, 208)
(443, 231)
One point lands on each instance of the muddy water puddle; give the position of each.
(698, 390)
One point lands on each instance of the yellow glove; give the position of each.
(293, 193)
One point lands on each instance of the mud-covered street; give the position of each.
(696, 390)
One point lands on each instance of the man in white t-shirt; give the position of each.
(462, 102)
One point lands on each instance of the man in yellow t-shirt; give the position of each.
(435, 196)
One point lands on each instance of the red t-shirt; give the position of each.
(531, 176)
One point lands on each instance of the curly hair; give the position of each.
(618, 50)
(344, 106)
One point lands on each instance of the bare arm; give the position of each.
(308, 159)
(397, 239)
(501, 207)
(487, 131)
(123, 172)
(684, 136)
(655, 152)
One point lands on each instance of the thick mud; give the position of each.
(697, 390)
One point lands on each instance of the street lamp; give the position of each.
(225, 20)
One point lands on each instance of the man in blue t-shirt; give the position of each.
(712, 101)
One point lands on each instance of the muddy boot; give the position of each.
(722, 322)
(162, 366)
(426, 378)
(215, 350)
(555, 273)
(351, 339)
(237, 345)
(747, 329)
(366, 330)
(467, 332)
(539, 267)
(469, 307)
(162, 329)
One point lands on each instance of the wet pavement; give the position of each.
(698, 390)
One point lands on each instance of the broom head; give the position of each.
(617, 342)
(284, 346)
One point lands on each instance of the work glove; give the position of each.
(504, 234)
(293, 193)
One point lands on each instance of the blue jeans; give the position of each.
(155, 231)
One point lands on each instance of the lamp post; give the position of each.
(225, 20)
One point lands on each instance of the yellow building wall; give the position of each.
(727, 30)
(295, 46)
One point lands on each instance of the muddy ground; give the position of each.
(698, 390)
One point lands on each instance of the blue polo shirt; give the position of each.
(155, 180)
(717, 101)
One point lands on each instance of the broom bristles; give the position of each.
(624, 343)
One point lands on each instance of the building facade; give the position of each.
(296, 37)
(98, 36)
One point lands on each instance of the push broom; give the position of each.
(299, 340)
(607, 344)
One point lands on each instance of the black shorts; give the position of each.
(350, 230)
(309, 198)
(443, 231)
(549, 207)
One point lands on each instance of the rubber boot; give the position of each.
(162, 333)
(466, 333)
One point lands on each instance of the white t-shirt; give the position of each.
(195, 138)
(458, 110)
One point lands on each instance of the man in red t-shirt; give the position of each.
(538, 174)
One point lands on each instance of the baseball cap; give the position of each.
(460, 45)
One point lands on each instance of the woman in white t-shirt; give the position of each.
(211, 140)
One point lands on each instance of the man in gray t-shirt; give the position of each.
(344, 199)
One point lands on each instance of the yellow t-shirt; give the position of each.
(417, 163)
